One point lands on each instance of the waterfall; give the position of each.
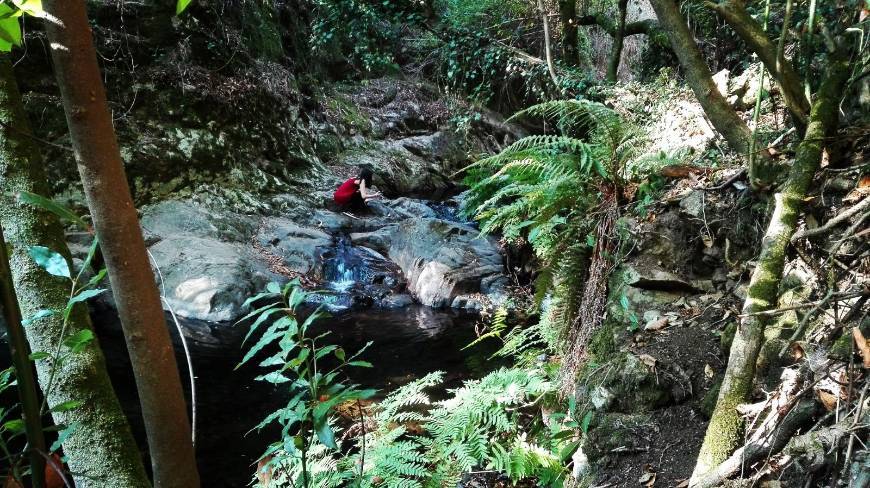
(343, 280)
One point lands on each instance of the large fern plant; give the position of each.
(546, 189)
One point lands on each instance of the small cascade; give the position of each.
(355, 277)
(344, 278)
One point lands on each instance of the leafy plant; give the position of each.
(315, 390)
(363, 32)
(545, 190)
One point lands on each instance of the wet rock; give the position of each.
(300, 248)
(442, 260)
(206, 279)
(378, 240)
(399, 300)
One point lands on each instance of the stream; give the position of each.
(407, 344)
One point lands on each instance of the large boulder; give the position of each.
(411, 166)
(299, 248)
(206, 279)
(445, 260)
(203, 259)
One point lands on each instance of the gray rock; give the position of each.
(300, 248)
(442, 260)
(175, 217)
(378, 240)
(206, 279)
(399, 300)
(693, 204)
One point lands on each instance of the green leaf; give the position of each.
(77, 341)
(30, 7)
(273, 287)
(181, 6)
(63, 436)
(339, 353)
(15, 426)
(97, 278)
(84, 295)
(38, 315)
(39, 355)
(584, 425)
(324, 432)
(360, 364)
(47, 204)
(10, 29)
(67, 406)
(50, 261)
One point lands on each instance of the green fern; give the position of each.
(544, 189)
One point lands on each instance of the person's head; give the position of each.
(365, 174)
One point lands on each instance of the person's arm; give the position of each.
(365, 193)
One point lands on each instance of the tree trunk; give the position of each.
(105, 185)
(735, 14)
(548, 50)
(568, 15)
(28, 392)
(101, 452)
(618, 38)
(698, 76)
(724, 433)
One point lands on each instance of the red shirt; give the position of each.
(345, 192)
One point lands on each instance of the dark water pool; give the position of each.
(408, 343)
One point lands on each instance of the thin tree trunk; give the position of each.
(101, 452)
(724, 433)
(700, 79)
(105, 185)
(735, 14)
(618, 38)
(28, 392)
(548, 50)
(568, 16)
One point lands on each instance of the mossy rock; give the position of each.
(627, 384)
(612, 433)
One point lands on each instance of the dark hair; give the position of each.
(366, 174)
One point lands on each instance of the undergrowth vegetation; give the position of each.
(408, 439)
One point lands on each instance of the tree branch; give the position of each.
(735, 14)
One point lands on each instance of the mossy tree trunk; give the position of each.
(725, 431)
(618, 41)
(568, 16)
(98, 159)
(700, 79)
(101, 451)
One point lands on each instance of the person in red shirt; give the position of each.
(355, 192)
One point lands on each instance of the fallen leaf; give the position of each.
(863, 345)
(797, 352)
(708, 371)
(828, 400)
(682, 170)
(648, 478)
(657, 324)
(648, 360)
(264, 471)
(683, 483)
